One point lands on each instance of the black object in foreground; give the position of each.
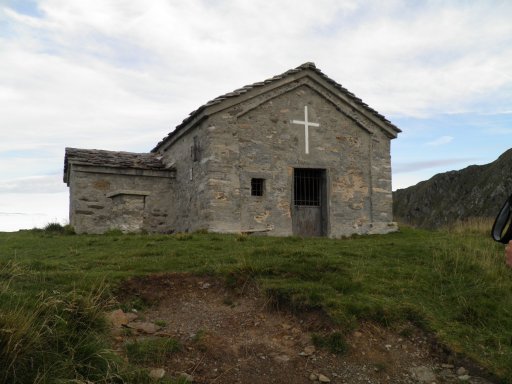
(502, 228)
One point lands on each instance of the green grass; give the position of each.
(453, 283)
(153, 351)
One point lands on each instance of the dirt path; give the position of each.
(236, 338)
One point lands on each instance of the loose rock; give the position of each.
(204, 285)
(323, 378)
(423, 374)
(186, 376)
(157, 373)
(282, 358)
(117, 318)
(144, 327)
(462, 371)
(308, 351)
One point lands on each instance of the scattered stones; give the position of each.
(271, 351)
(308, 351)
(423, 374)
(319, 377)
(447, 373)
(157, 373)
(204, 285)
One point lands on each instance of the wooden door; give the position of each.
(308, 208)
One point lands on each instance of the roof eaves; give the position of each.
(111, 159)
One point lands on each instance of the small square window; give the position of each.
(257, 187)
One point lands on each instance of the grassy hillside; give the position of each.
(452, 283)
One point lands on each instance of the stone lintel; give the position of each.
(128, 192)
(171, 173)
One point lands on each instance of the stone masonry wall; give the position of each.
(192, 198)
(131, 200)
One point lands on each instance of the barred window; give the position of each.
(307, 187)
(257, 187)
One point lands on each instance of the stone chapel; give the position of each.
(296, 154)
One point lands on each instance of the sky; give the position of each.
(121, 74)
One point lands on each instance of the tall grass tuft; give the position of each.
(60, 337)
(57, 228)
(151, 351)
(475, 225)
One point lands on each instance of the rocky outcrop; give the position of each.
(476, 191)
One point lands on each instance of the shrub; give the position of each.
(53, 228)
(57, 228)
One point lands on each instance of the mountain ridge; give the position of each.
(475, 191)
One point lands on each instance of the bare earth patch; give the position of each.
(237, 337)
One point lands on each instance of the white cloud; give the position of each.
(415, 166)
(402, 58)
(36, 184)
(443, 140)
(120, 74)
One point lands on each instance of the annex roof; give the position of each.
(240, 91)
(113, 159)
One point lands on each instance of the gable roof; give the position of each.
(240, 91)
(112, 159)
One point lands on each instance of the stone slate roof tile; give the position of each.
(246, 88)
(115, 159)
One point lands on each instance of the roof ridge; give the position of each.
(308, 64)
(238, 92)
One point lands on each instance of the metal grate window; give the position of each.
(257, 187)
(307, 187)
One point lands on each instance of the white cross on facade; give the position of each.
(306, 124)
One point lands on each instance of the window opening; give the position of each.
(257, 187)
(307, 187)
(195, 150)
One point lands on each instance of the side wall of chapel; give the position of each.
(189, 154)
